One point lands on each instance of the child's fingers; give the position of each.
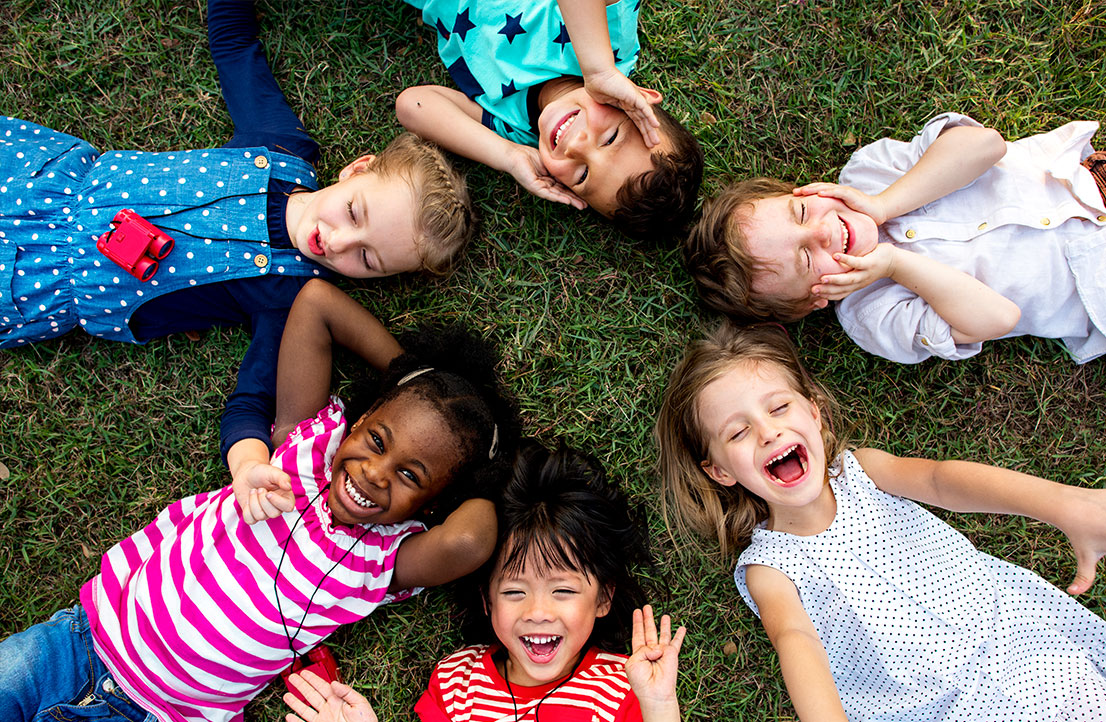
(638, 636)
(649, 625)
(678, 639)
(314, 688)
(303, 713)
(813, 189)
(1085, 568)
(290, 717)
(666, 630)
(276, 503)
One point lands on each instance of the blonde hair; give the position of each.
(691, 501)
(445, 222)
(717, 255)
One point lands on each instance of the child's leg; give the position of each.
(51, 671)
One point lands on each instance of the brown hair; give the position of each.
(445, 221)
(691, 500)
(717, 256)
(658, 204)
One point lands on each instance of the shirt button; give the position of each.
(925, 341)
(1045, 221)
(911, 233)
(260, 260)
(109, 685)
(981, 226)
(1102, 218)
(261, 161)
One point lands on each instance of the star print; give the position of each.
(442, 29)
(509, 88)
(512, 28)
(462, 24)
(563, 38)
(617, 59)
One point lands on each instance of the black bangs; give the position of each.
(542, 551)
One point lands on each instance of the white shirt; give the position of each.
(1033, 228)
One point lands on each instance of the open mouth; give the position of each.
(541, 647)
(846, 237)
(314, 244)
(559, 131)
(358, 498)
(788, 466)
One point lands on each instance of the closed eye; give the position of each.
(614, 135)
(739, 434)
(802, 213)
(780, 409)
(583, 177)
(349, 209)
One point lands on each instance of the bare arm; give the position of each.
(448, 118)
(322, 316)
(586, 21)
(803, 659)
(966, 486)
(448, 551)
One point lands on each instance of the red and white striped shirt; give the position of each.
(466, 687)
(184, 614)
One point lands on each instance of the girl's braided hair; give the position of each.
(445, 222)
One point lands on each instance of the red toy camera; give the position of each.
(135, 244)
(320, 660)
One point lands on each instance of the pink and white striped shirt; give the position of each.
(184, 613)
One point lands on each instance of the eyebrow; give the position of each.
(412, 462)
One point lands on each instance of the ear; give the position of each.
(818, 304)
(360, 165)
(651, 96)
(717, 473)
(815, 411)
(607, 595)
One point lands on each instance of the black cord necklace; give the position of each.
(514, 702)
(276, 578)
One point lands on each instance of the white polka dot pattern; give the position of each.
(58, 194)
(920, 625)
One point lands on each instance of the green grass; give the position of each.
(99, 437)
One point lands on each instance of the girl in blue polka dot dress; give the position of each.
(877, 609)
(249, 221)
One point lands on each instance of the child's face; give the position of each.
(544, 619)
(763, 435)
(796, 238)
(397, 458)
(592, 148)
(363, 226)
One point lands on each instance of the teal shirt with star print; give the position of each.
(499, 51)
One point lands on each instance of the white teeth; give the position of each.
(783, 455)
(563, 128)
(844, 237)
(539, 638)
(357, 497)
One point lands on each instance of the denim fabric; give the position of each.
(51, 673)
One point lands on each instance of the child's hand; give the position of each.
(612, 87)
(263, 491)
(880, 263)
(327, 701)
(653, 666)
(871, 206)
(1087, 534)
(526, 167)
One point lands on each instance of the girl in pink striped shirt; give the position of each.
(559, 590)
(195, 614)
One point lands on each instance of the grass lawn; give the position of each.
(99, 437)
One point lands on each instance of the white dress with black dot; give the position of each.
(920, 625)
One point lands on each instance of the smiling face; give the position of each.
(592, 148)
(363, 226)
(795, 238)
(397, 458)
(765, 436)
(544, 618)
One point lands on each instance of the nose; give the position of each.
(537, 609)
(767, 431)
(579, 140)
(373, 473)
(339, 241)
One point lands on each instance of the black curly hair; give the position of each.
(461, 384)
(559, 511)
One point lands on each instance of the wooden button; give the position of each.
(981, 226)
(911, 233)
(260, 260)
(1045, 221)
(261, 161)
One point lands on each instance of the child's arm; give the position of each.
(803, 658)
(956, 158)
(652, 668)
(586, 21)
(974, 311)
(322, 316)
(448, 551)
(326, 701)
(966, 486)
(448, 118)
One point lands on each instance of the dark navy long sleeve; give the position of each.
(262, 117)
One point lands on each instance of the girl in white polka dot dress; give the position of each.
(877, 609)
(249, 222)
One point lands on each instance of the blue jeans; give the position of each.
(51, 673)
